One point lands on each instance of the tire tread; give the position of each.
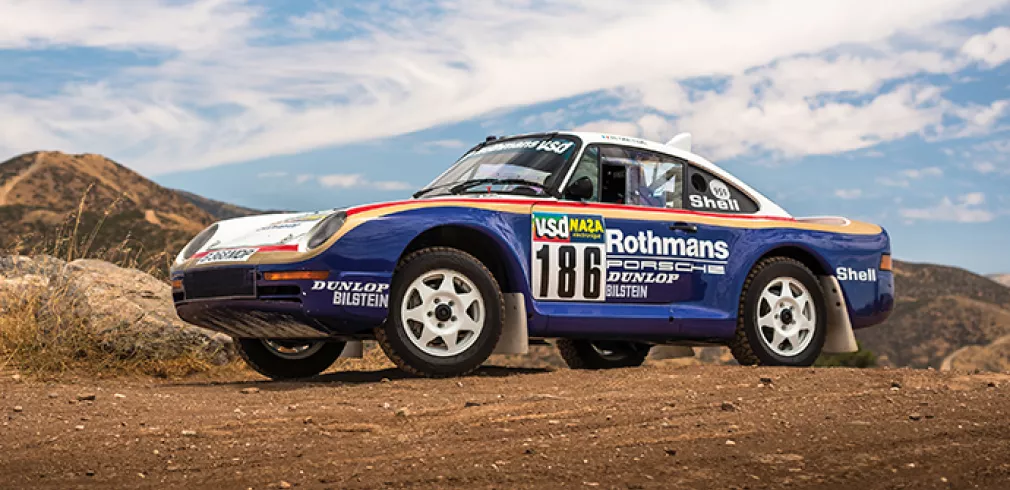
(382, 338)
(740, 346)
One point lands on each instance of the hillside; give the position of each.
(1003, 279)
(940, 309)
(124, 216)
(219, 210)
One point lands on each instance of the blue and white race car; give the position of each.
(608, 244)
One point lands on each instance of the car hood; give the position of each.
(265, 230)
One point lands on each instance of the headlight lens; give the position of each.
(326, 228)
(198, 242)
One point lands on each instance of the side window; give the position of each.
(641, 178)
(589, 166)
(709, 193)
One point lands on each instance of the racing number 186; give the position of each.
(567, 271)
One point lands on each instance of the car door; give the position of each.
(614, 265)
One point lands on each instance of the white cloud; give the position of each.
(348, 181)
(848, 193)
(328, 19)
(992, 48)
(341, 180)
(224, 93)
(918, 173)
(271, 175)
(446, 144)
(984, 167)
(189, 25)
(967, 209)
(905, 176)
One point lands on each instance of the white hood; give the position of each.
(265, 230)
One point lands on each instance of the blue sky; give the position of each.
(895, 112)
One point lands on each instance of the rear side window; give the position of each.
(706, 192)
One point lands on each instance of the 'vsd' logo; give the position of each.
(550, 227)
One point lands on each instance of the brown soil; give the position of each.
(660, 426)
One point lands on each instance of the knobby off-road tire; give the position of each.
(446, 314)
(764, 334)
(270, 361)
(585, 354)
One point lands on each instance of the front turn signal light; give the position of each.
(885, 262)
(296, 276)
(176, 283)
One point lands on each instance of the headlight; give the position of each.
(326, 228)
(198, 242)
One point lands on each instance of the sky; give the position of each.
(895, 112)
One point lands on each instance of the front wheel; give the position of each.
(782, 317)
(446, 314)
(289, 359)
(587, 354)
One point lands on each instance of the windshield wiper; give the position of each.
(462, 186)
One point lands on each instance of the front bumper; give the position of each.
(238, 301)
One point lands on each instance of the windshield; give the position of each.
(525, 165)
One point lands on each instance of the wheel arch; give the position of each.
(840, 337)
(804, 255)
(479, 242)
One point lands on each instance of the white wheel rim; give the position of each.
(301, 351)
(786, 317)
(442, 313)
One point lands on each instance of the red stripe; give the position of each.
(264, 248)
(578, 205)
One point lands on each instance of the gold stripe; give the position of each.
(638, 213)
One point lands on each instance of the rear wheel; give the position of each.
(446, 314)
(782, 318)
(289, 359)
(587, 354)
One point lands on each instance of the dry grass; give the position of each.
(45, 326)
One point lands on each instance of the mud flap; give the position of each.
(514, 336)
(839, 338)
(353, 348)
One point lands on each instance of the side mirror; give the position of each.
(580, 190)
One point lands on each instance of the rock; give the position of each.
(728, 407)
(730, 442)
(85, 397)
(991, 384)
(469, 404)
(915, 416)
(119, 395)
(89, 473)
(53, 395)
(78, 427)
(895, 385)
(766, 380)
(18, 409)
(402, 412)
(189, 433)
(670, 452)
(284, 484)
(252, 390)
(131, 311)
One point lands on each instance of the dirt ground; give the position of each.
(660, 426)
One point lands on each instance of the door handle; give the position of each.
(686, 227)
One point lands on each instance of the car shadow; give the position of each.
(359, 378)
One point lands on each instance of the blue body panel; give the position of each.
(699, 304)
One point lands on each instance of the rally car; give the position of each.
(606, 244)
